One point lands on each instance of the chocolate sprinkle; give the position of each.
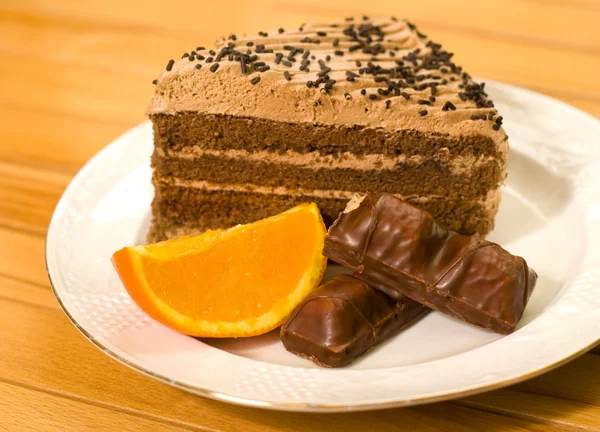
(170, 65)
(338, 52)
(261, 49)
(321, 33)
(287, 76)
(198, 66)
(496, 126)
(423, 113)
(214, 67)
(423, 102)
(336, 42)
(448, 106)
(155, 81)
(281, 30)
(372, 96)
(255, 80)
(363, 92)
(388, 103)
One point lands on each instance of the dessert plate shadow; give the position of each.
(550, 214)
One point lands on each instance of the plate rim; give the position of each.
(296, 406)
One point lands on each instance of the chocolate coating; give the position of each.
(403, 252)
(343, 319)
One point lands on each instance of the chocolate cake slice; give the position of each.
(317, 113)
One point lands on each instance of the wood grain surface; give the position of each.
(76, 74)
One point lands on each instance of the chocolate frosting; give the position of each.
(343, 319)
(402, 251)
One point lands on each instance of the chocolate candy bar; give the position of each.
(403, 251)
(343, 319)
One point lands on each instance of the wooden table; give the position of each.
(76, 74)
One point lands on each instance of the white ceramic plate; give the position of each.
(550, 214)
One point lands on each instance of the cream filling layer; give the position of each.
(490, 200)
(458, 164)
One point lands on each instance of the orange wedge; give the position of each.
(243, 281)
